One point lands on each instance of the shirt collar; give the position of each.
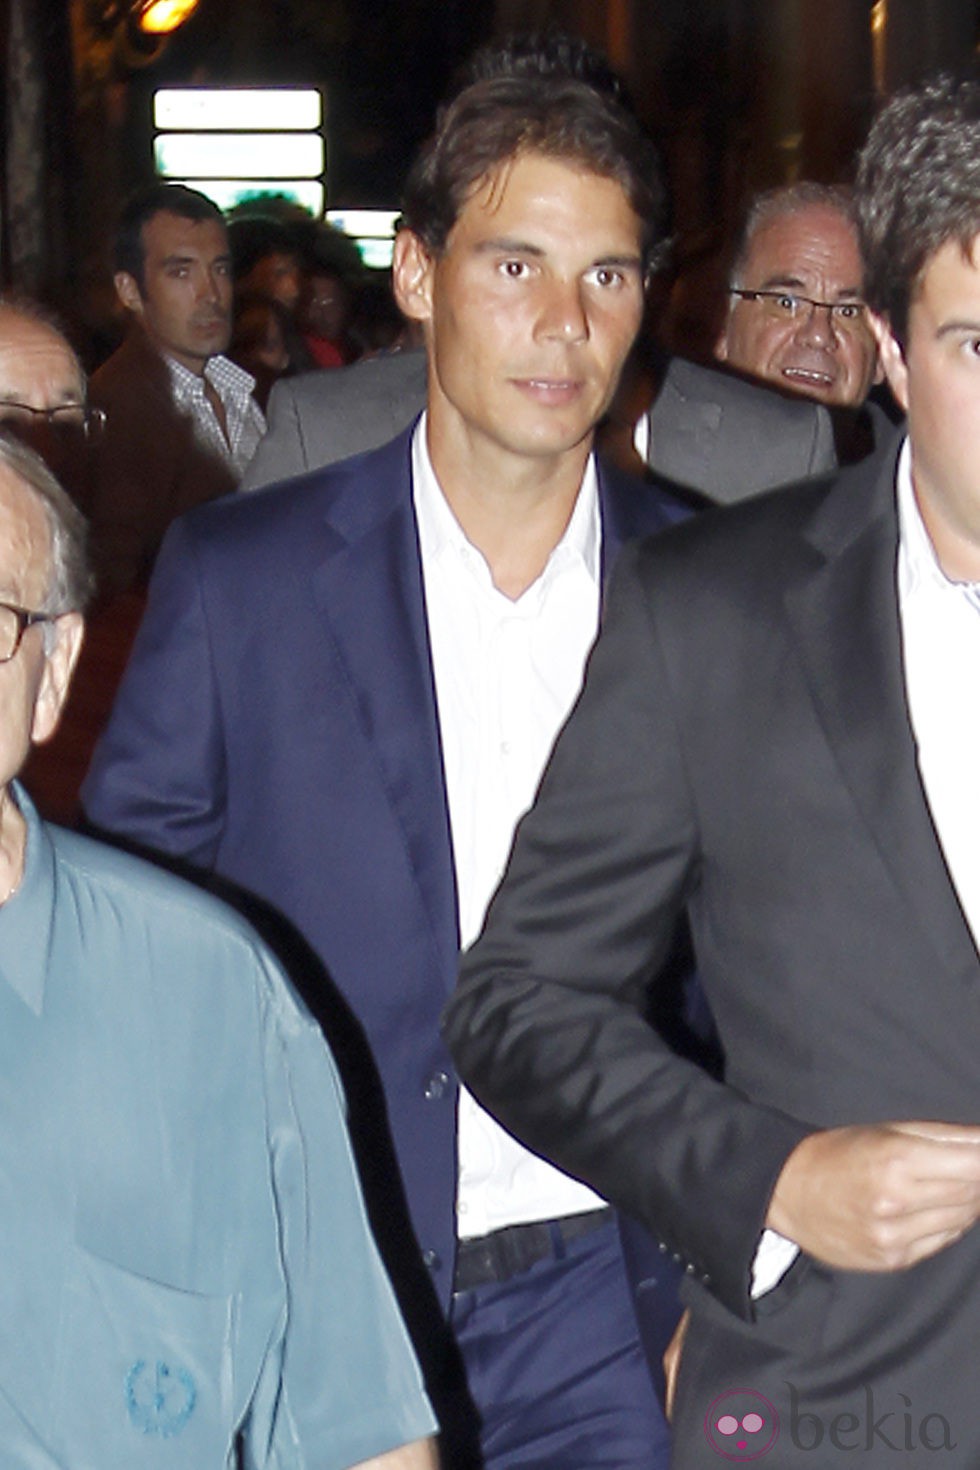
(27, 918)
(917, 561)
(225, 376)
(440, 532)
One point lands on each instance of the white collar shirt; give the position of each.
(506, 675)
(233, 385)
(941, 648)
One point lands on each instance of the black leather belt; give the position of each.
(506, 1253)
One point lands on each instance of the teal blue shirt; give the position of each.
(183, 1248)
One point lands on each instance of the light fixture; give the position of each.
(160, 17)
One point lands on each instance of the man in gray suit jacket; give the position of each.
(707, 431)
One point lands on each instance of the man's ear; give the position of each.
(721, 345)
(59, 665)
(891, 360)
(128, 291)
(411, 275)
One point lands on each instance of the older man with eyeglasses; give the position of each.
(43, 395)
(797, 317)
(189, 1278)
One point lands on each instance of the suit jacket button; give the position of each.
(432, 1260)
(436, 1087)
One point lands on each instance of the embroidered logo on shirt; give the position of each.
(160, 1397)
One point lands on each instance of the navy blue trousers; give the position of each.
(554, 1364)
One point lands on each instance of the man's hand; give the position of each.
(879, 1198)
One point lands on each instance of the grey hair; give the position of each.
(70, 582)
(787, 199)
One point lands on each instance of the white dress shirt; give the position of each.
(244, 418)
(506, 675)
(941, 648)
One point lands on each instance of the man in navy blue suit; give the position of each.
(345, 690)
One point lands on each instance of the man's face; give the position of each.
(37, 368)
(185, 303)
(38, 371)
(812, 251)
(529, 311)
(937, 382)
(277, 275)
(33, 684)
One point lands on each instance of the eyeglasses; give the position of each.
(14, 622)
(789, 306)
(26, 421)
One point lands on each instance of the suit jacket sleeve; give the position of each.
(282, 451)
(157, 775)
(547, 1025)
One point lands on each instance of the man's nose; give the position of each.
(818, 326)
(212, 286)
(563, 312)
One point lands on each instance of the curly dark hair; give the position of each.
(918, 188)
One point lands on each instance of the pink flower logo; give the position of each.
(741, 1425)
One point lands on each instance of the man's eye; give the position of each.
(848, 311)
(514, 269)
(787, 302)
(607, 275)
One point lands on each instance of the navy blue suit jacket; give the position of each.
(277, 725)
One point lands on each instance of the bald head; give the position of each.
(38, 368)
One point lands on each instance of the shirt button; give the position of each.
(431, 1259)
(436, 1087)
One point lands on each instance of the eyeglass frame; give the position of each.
(93, 419)
(25, 619)
(832, 308)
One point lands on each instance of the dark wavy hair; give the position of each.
(536, 108)
(918, 188)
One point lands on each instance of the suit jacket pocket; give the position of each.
(143, 1372)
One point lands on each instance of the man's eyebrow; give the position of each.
(794, 283)
(954, 328)
(177, 259)
(508, 245)
(70, 397)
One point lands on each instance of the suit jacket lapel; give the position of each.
(846, 623)
(631, 507)
(369, 590)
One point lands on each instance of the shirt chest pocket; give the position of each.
(143, 1373)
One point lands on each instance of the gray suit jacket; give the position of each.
(710, 432)
(730, 439)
